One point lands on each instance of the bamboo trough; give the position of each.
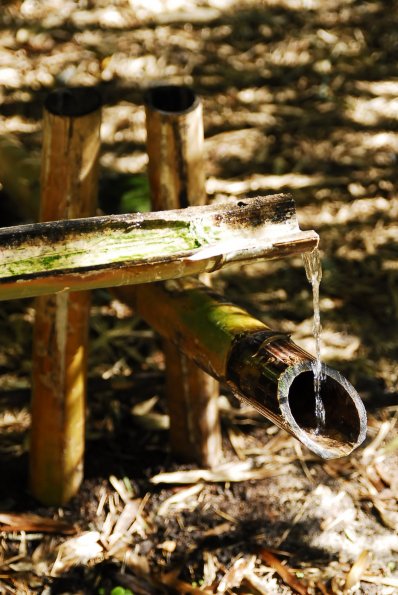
(89, 253)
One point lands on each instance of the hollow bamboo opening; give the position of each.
(171, 99)
(73, 102)
(345, 416)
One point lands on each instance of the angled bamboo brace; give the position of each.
(175, 145)
(81, 254)
(263, 367)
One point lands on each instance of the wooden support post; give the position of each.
(175, 148)
(71, 142)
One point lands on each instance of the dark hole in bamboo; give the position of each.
(73, 102)
(342, 423)
(173, 99)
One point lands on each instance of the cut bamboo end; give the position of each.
(71, 144)
(69, 190)
(175, 145)
(275, 376)
(117, 250)
(74, 102)
(172, 101)
(345, 414)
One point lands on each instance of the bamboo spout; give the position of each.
(264, 367)
(275, 376)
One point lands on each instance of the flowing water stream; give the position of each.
(313, 270)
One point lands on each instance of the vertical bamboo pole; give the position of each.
(175, 148)
(69, 175)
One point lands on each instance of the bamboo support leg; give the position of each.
(69, 177)
(175, 149)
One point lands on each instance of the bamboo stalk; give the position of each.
(80, 254)
(69, 179)
(175, 142)
(262, 366)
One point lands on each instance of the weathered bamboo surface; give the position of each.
(264, 367)
(69, 187)
(175, 145)
(117, 250)
(200, 322)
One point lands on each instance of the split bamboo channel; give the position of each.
(79, 254)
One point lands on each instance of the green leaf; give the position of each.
(125, 193)
(121, 591)
(136, 197)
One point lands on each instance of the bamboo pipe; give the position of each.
(175, 146)
(80, 254)
(262, 366)
(69, 176)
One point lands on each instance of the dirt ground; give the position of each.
(298, 96)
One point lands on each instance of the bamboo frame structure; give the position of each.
(175, 146)
(263, 367)
(81, 254)
(71, 142)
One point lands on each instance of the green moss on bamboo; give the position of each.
(135, 244)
